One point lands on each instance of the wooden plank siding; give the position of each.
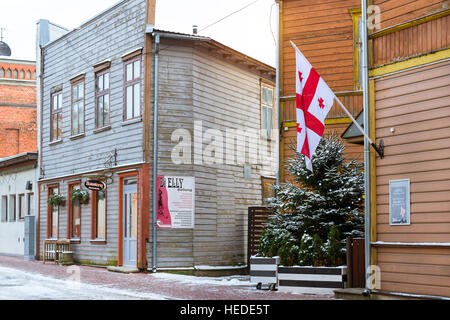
(416, 105)
(100, 39)
(200, 81)
(415, 270)
(394, 12)
(410, 42)
(199, 86)
(231, 107)
(62, 63)
(323, 31)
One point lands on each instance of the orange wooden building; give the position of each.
(409, 81)
(409, 109)
(327, 34)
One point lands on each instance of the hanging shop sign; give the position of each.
(94, 185)
(175, 202)
(399, 202)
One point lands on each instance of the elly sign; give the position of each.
(94, 185)
(175, 202)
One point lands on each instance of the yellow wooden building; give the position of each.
(409, 109)
(409, 103)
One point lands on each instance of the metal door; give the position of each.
(130, 212)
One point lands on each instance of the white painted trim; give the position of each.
(263, 267)
(263, 280)
(412, 244)
(309, 277)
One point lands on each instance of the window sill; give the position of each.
(52, 143)
(77, 136)
(75, 241)
(98, 241)
(131, 121)
(269, 138)
(105, 128)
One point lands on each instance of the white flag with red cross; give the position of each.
(314, 100)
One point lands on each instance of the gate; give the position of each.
(257, 216)
(355, 263)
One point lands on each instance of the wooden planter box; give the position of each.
(316, 280)
(264, 271)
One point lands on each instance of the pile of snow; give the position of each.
(220, 281)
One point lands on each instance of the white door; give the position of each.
(130, 212)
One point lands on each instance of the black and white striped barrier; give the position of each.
(264, 271)
(315, 280)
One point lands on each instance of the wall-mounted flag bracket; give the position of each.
(380, 148)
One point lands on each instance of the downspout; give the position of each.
(41, 107)
(277, 91)
(155, 149)
(365, 84)
(39, 171)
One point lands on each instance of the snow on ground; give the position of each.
(220, 281)
(20, 285)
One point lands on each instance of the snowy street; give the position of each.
(20, 285)
(33, 280)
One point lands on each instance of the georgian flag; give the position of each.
(314, 100)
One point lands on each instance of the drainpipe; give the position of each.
(365, 84)
(155, 148)
(277, 91)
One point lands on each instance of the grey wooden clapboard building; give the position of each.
(99, 86)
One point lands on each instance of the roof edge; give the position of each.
(18, 159)
(83, 24)
(212, 42)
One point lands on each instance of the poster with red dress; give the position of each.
(176, 202)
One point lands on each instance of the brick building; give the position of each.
(17, 107)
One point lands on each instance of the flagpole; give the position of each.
(378, 149)
(277, 96)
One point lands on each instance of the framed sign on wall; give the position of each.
(175, 202)
(399, 202)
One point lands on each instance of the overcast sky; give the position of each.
(248, 31)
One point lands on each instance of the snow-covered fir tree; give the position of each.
(312, 217)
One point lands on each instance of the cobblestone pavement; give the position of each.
(145, 285)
